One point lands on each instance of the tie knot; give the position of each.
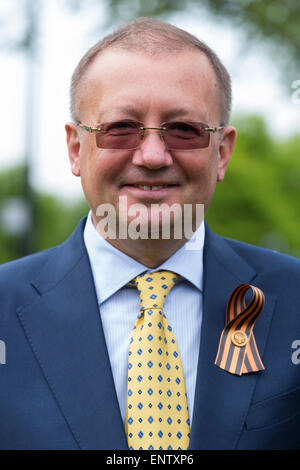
(153, 288)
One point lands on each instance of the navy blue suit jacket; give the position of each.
(57, 389)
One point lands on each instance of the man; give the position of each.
(150, 108)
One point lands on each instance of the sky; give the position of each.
(63, 38)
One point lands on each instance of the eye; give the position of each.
(121, 127)
(183, 126)
(183, 129)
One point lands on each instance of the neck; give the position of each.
(149, 252)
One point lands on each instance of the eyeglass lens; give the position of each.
(177, 135)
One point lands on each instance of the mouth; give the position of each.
(145, 189)
(151, 185)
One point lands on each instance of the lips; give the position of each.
(146, 191)
(151, 188)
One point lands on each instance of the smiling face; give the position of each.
(128, 85)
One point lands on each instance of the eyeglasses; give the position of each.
(128, 134)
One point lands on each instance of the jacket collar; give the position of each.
(222, 399)
(64, 329)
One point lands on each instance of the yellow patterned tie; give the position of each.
(157, 415)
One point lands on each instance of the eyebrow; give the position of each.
(177, 112)
(113, 113)
(134, 112)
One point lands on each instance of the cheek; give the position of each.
(91, 162)
(203, 170)
(202, 174)
(99, 173)
(90, 172)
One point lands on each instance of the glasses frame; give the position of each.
(143, 130)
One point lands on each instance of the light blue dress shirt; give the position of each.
(119, 305)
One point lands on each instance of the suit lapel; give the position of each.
(64, 329)
(222, 399)
(65, 332)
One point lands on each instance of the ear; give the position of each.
(73, 143)
(226, 147)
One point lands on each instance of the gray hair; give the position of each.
(153, 37)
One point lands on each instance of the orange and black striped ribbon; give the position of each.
(241, 356)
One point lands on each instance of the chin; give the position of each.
(152, 224)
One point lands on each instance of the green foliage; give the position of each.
(275, 22)
(258, 202)
(56, 219)
(53, 218)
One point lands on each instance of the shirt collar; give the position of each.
(112, 269)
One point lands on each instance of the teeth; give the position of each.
(147, 188)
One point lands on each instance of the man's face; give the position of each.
(126, 85)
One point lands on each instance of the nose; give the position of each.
(152, 152)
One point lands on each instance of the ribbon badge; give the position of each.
(237, 352)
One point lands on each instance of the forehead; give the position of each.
(139, 85)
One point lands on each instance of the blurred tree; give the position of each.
(262, 186)
(275, 22)
(24, 37)
(55, 219)
(258, 202)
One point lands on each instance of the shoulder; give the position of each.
(16, 289)
(23, 281)
(276, 271)
(28, 268)
(24, 267)
(27, 263)
(263, 258)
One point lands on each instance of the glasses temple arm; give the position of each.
(214, 129)
(87, 128)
